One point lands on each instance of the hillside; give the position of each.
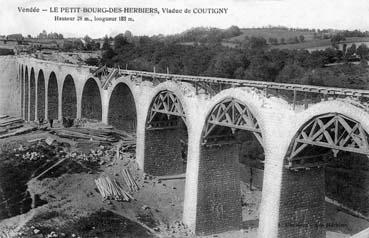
(267, 33)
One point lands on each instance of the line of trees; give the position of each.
(254, 61)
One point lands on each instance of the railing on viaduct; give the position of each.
(296, 94)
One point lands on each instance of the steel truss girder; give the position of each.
(333, 131)
(167, 103)
(234, 114)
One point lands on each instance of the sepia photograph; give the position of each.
(184, 119)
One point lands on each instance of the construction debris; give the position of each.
(172, 177)
(11, 126)
(129, 180)
(8, 121)
(87, 134)
(111, 189)
(18, 131)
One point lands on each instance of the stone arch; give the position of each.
(323, 151)
(91, 100)
(122, 112)
(166, 135)
(26, 95)
(52, 97)
(40, 95)
(231, 146)
(32, 98)
(69, 98)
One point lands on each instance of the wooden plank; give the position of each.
(243, 127)
(172, 177)
(326, 145)
(19, 131)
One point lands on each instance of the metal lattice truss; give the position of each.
(333, 131)
(167, 104)
(234, 114)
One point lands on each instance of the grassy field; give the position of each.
(309, 42)
(320, 43)
(272, 33)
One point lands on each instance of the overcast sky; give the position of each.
(337, 14)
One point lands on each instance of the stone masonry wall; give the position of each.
(302, 205)
(219, 195)
(10, 100)
(347, 181)
(163, 152)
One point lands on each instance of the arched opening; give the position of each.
(41, 95)
(32, 98)
(122, 109)
(22, 91)
(165, 136)
(325, 180)
(26, 95)
(91, 101)
(69, 98)
(230, 170)
(52, 97)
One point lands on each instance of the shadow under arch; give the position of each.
(40, 95)
(26, 95)
(166, 136)
(69, 98)
(122, 108)
(91, 100)
(32, 96)
(22, 91)
(52, 97)
(325, 169)
(230, 169)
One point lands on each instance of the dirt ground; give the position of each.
(71, 195)
(72, 206)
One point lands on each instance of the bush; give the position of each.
(92, 61)
(6, 52)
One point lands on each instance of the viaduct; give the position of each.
(210, 115)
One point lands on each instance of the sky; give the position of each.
(322, 14)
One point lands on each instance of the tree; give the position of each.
(302, 38)
(87, 39)
(257, 43)
(344, 48)
(296, 40)
(273, 41)
(225, 64)
(129, 36)
(336, 39)
(232, 31)
(363, 51)
(351, 51)
(291, 73)
(120, 42)
(106, 44)
(92, 61)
